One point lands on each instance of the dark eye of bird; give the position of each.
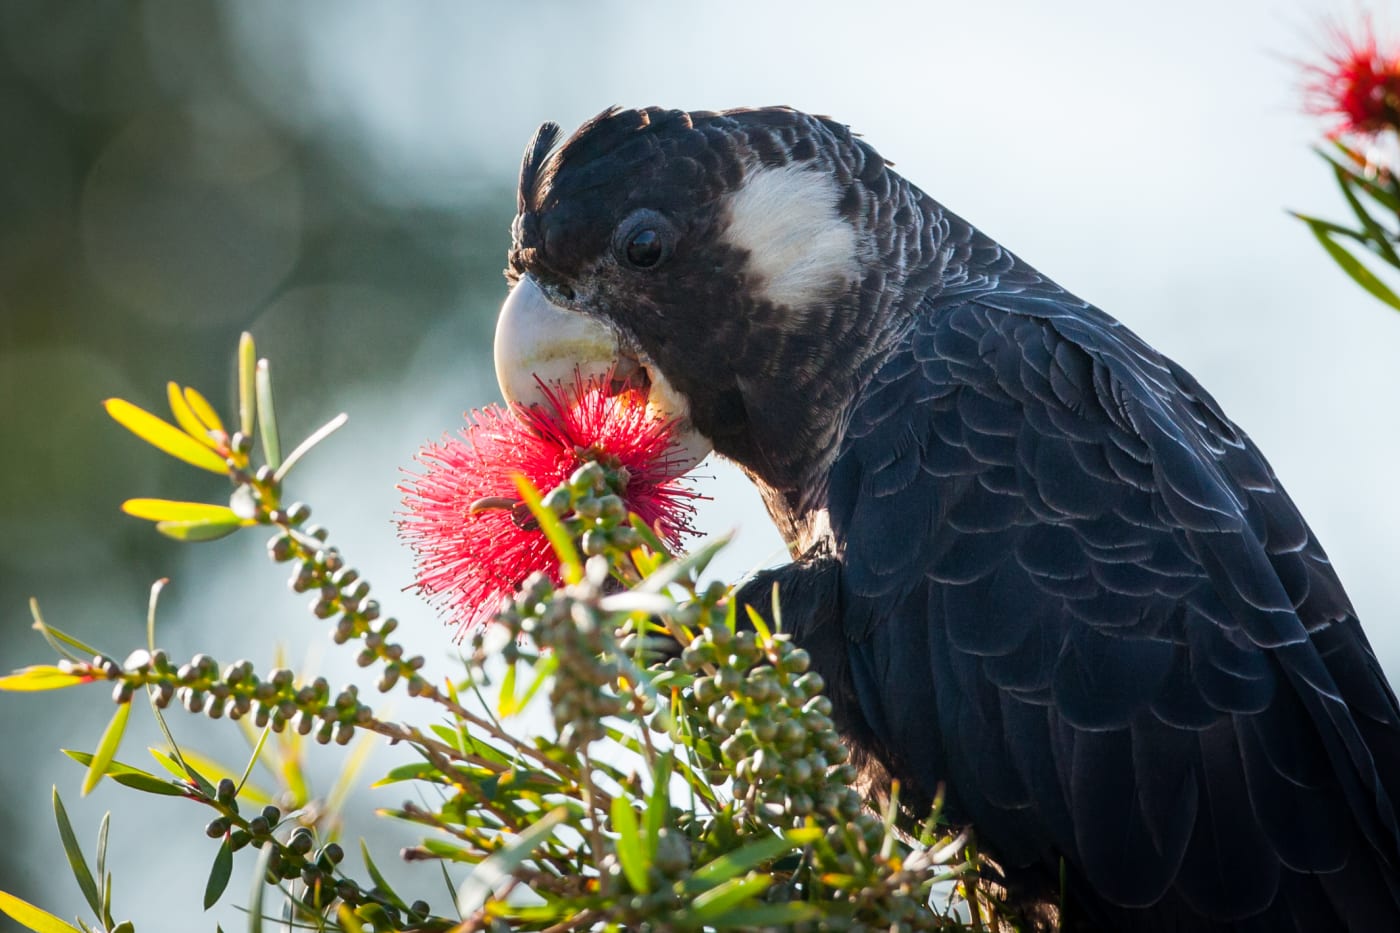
(644, 248)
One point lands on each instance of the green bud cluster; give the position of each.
(772, 725)
(568, 623)
(591, 507)
(667, 874)
(236, 691)
(340, 592)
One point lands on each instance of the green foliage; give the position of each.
(1367, 191)
(691, 777)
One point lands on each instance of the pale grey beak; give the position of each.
(536, 338)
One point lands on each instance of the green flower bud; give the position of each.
(301, 841)
(558, 501)
(281, 548)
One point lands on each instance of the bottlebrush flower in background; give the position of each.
(472, 548)
(1358, 84)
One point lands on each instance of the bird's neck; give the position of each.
(797, 416)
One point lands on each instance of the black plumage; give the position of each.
(1037, 564)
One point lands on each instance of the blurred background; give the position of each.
(337, 177)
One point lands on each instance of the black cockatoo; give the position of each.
(1035, 562)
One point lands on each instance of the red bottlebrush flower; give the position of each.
(1358, 84)
(469, 557)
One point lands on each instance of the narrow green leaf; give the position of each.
(630, 853)
(659, 804)
(693, 563)
(152, 603)
(413, 771)
(200, 531)
(81, 873)
(208, 417)
(499, 864)
(570, 567)
(102, 845)
(1378, 236)
(379, 879)
(163, 510)
(305, 447)
(764, 633)
(255, 900)
(653, 542)
(164, 436)
(247, 366)
(194, 776)
(766, 916)
(107, 902)
(733, 864)
(267, 416)
(1387, 197)
(506, 704)
(204, 772)
(57, 639)
(1317, 222)
(253, 759)
(711, 906)
(544, 669)
(219, 874)
(107, 747)
(40, 677)
(31, 917)
(131, 777)
(1353, 267)
(168, 763)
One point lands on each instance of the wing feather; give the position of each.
(1131, 653)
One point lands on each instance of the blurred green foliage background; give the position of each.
(152, 206)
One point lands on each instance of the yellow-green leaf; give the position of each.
(31, 917)
(40, 677)
(186, 418)
(506, 703)
(629, 845)
(216, 772)
(164, 436)
(711, 906)
(247, 364)
(200, 530)
(106, 748)
(204, 412)
(170, 510)
(570, 566)
(267, 415)
(131, 777)
(497, 866)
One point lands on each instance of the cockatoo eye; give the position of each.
(644, 240)
(644, 248)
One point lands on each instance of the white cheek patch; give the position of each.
(800, 248)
